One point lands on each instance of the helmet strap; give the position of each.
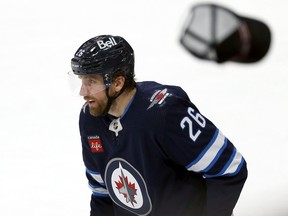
(111, 99)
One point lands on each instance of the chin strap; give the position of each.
(111, 99)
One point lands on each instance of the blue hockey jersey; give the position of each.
(162, 157)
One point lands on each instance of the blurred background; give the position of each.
(41, 168)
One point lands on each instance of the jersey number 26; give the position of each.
(193, 117)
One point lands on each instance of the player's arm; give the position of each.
(223, 168)
(101, 204)
(223, 193)
(202, 148)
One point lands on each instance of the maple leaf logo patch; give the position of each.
(127, 187)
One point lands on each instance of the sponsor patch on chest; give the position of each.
(95, 144)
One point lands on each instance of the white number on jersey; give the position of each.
(193, 117)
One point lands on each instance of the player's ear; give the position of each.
(118, 83)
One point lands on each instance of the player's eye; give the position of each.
(92, 81)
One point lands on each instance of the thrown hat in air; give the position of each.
(216, 33)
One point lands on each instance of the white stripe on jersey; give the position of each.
(96, 176)
(232, 168)
(209, 154)
(98, 190)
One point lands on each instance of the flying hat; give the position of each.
(216, 33)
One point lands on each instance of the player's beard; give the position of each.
(97, 107)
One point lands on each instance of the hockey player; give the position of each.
(147, 148)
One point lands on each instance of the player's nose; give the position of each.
(84, 91)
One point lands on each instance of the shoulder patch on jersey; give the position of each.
(127, 187)
(159, 97)
(95, 144)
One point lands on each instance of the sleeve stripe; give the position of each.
(236, 161)
(96, 176)
(210, 154)
(232, 167)
(217, 156)
(98, 191)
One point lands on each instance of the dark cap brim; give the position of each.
(260, 40)
(248, 44)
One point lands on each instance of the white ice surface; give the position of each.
(41, 168)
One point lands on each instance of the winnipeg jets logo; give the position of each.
(158, 97)
(127, 187)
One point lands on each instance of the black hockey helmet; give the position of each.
(104, 54)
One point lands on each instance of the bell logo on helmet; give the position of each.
(108, 44)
